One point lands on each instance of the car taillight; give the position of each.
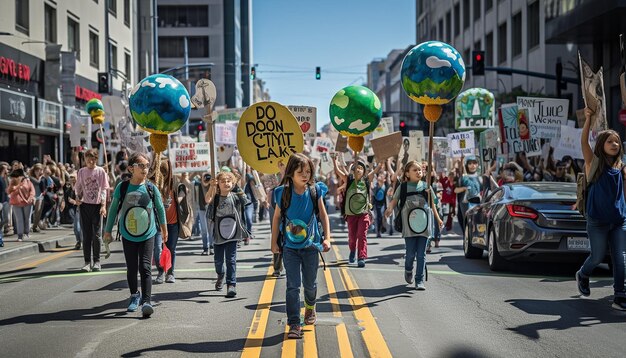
(519, 211)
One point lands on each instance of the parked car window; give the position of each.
(497, 195)
(543, 190)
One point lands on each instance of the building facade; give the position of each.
(50, 55)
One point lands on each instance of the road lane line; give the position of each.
(345, 350)
(289, 345)
(44, 260)
(308, 337)
(374, 340)
(254, 341)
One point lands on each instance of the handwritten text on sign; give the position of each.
(461, 143)
(191, 157)
(269, 136)
(507, 115)
(546, 114)
(307, 119)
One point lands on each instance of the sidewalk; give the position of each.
(46, 240)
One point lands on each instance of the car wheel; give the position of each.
(470, 251)
(496, 262)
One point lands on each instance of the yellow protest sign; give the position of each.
(267, 134)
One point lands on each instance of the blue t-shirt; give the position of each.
(302, 227)
(605, 201)
(472, 183)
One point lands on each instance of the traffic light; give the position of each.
(104, 82)
(403, 129)
(252, 73)
(318, 73)
(478, 63)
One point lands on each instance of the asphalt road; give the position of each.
(49, 309)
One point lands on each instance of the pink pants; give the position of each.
(357, 233)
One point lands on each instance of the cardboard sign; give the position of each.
(387, 146)
(326, 163)
(547, 115)
(225, 133)
(342, 144)
(384, 128)
(489, 145)
(267, 134)
(307, 119)
(441, 152)
(417, 145)
(461, 143)
(569, 143)
(321, 145)
(191, 157)
(510, 135)
(593, 94)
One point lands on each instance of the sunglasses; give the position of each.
(141, 165)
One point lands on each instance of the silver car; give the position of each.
(534, 221)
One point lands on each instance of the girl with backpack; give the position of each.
(296, 232)
(418, 218)
(605, 208)
(226, 217)
(137, 225)
(379, 195)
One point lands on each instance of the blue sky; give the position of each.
(337, 35)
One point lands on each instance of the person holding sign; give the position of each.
(470, 184)
(605, 208)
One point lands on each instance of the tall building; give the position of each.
(51, 53)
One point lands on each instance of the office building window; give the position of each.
(112, 5)
(466, 14)
(73, 37)
(488, 5)
(502, 43)
(516, 34)
(175, 46)
(489, 49)
(114, 58)
(94, 54)
(50, 23)
(127, 13)
(457, 20)
(476, 10)
(477, 46)
(127, 66)
(533, 25)
(183, 16)
(448, 27)
(22, 16)
(440, 30)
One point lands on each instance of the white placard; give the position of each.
(569, 143)
(191, 157)
(307, 119)
(417, 145)
(321, 145)
(384, 128)
(461, 143)
(225, 133)
(547, 115)
(326, 163)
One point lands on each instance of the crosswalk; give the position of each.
(345, 325)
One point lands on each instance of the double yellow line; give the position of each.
(370, 331)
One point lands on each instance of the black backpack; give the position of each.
(123, 190)
(242, 208)
(397, 222)
(345, 198)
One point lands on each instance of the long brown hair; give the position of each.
(296, 161)
(608, 161)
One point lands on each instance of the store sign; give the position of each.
(84, 94)
(49, 115)
(17, 108)
(16, 70)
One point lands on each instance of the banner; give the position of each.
(225, 133)
(508, 116)
(569, 143)
(461, 143)
(593, 94)
(307, 119)
(489, 145)
(267, 134)
(191, 157)
(547, 115)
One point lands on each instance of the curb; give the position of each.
(55, 243)
(20, 251)
(32, 247)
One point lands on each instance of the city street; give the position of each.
(48, 308)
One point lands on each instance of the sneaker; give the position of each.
(408, 276)
(147, 310)
(170, 278)
(309, 316)
(420, 286)
(361, 263)
(231, 291)
(351, 257)
(219, 284)
(295, 331)
(77, 246)
(19, 239)
(159, 279)
(276, 273)
(583, 284)
(34, 229)
(133, 305)
(239, 244)
(87, 267)
(1, 243)
(211, 251)
(619, 303)
(204, 252)
(96, 267)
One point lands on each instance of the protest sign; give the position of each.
(191, 157)
(267, 134)
(441, 151)
(593, 94)
(508, 115)
(417, 145)
(569, 143)
(384, 128)
(321, 145)
(547, 115)
(307, 119)
(474, 109)
(461, 143)
(341, 146)
(225, 133)
(224, 152)
(387, 146)
(489, 145)
(232, 114)
(326, 163)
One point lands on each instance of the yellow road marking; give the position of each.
(374, 341)
(44, 260)
(309, 344)
(289, 345)
(254, 342)
(345, 350)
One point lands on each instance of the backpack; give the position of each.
(123, 191)
(242, 215)
(345, 198)
(397, 221)
(379, 200)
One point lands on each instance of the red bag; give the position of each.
(166, 259)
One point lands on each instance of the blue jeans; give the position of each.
(172, 241)
(76, 223)
(603, 234)
(227, 253)
(207, 237)
(249, 212)
(301, 269)
(380, 211)
(416, 248)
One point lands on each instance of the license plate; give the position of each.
(578, 243)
